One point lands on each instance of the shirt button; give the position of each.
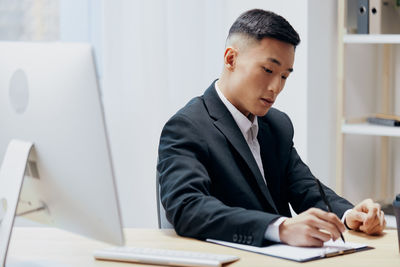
(235, 238)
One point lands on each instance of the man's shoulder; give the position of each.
(194, 112)
(278, 121)
(198, 107)
(194, 107)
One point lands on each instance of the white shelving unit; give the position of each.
(371, 38)
(368, 129)
(385, 41)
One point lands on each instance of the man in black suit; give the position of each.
(227, 164)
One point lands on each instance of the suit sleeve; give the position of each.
(186, 190)
(303, 189)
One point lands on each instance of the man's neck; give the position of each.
(222, 85)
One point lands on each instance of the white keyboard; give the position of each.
(163, 256)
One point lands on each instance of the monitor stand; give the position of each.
(12, 172)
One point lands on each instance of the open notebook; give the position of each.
(300, 254)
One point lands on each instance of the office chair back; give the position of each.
(163, 223)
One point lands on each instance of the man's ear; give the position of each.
(230, 58)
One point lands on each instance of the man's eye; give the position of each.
(267, 70)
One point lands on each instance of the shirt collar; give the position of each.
(249, 129)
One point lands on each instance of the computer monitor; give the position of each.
(49, 97)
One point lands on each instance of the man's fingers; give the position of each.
(358, 216)
(380, 222)
(374, 211)
(372, 223)
(374, 219)
(301, 231)
(330, 218)
(376, 230)
(365, 205)
(382, 219)
(377, 226)
(327, 226)
(315, 233)
(314, 242)
(354, 219)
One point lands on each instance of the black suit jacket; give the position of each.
(211, 186)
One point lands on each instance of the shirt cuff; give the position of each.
(272, 232)
(344, 218)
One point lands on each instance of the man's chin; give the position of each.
(262, 113)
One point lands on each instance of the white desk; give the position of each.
(43, 244)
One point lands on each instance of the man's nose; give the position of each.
(275, 85)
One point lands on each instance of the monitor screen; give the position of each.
(49, 96)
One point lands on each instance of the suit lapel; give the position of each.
(268, 156)
(227, 125)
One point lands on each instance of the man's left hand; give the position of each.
(367, 217)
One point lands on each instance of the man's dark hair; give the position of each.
(258, 24)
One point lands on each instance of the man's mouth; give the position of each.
(268, 101)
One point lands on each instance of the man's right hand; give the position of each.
(305, 228)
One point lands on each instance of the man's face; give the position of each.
(258, 75)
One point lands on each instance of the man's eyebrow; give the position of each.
(277, 62)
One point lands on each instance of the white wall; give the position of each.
(134, 89)
(321, 74)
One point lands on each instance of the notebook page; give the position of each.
(295, 253)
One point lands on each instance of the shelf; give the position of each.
(368, 129)
(371, 38)
(384, 60)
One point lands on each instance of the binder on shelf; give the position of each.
(384, 17)
(385, 122)
(363, 17)
(384, 119)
